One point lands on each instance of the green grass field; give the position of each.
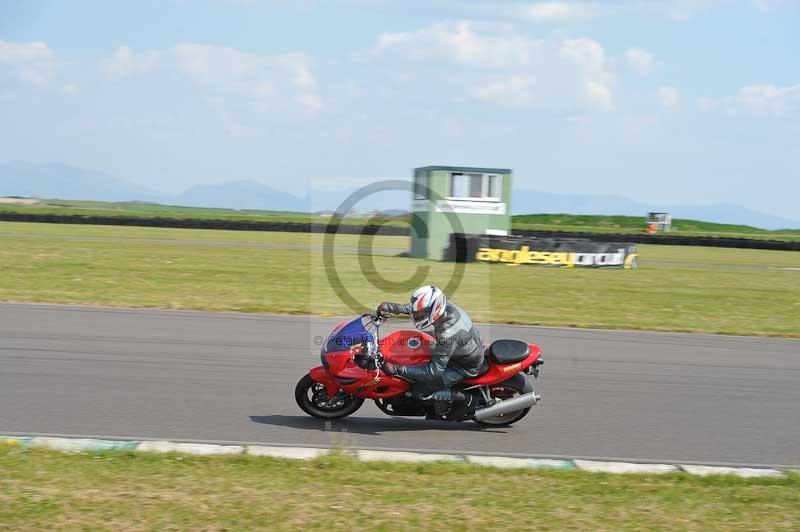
(42, 489)
(539, 222)
(676, 288)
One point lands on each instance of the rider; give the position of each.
(458, 353)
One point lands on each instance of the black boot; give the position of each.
(441, 408)
(445, 402)
(460, 406)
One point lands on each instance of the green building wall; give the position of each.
(431, 228)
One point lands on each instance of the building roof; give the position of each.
(466, 169)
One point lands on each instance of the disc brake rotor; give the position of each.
(320, 398)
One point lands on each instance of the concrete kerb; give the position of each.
(292, 453)
(201, 449)
(81, 444)
(745, 472)
(404, 456)
(309, 453)
(519, 463)
(14, 440)
(595, 466)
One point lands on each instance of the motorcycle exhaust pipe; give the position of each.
(506, 406)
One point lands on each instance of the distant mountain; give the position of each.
(55, 180)
(332, 199)
(533, 202)
(240, 195)
(725, 213)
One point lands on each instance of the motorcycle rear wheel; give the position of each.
(313, 399)
(506, 390)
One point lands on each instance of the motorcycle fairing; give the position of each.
(322, 376)
(346, 335)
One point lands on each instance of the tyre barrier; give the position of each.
(670, 240)
(193, 223)
(371, 229)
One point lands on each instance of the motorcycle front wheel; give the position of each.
(312, 398)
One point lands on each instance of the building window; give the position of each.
(459, 185)
(421, 187)
(494, 187)
(466, 185)
(476, 186)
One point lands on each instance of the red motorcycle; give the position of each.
(353, 355)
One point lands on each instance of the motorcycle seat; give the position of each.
(508, 351)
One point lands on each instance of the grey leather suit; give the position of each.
(458, 353)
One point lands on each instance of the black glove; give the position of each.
(383, 308)
(389, 368)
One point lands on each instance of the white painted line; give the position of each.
(623, 467)
(402, 456)
(746, 472)
(292, 453)
(189, 448)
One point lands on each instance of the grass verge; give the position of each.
(636, 225)
(178, 212)
(715, 290)
(42, 489)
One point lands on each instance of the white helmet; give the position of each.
(427, 306)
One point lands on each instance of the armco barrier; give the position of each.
(299, 227)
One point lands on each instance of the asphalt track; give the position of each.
(230, 377)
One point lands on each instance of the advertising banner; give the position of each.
(524, 250)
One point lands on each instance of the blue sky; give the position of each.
(674, 101)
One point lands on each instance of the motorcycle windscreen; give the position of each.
(346, 335)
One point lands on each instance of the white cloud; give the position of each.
(264, 79)
(764, 100)
(515, 90)
(599, 94)
(464, 43)
(640, 61)
(586, 53)
(554, 11)
(686, 9)
(770, 5)
(569, 10)
(70, 89)
(668, 97)
(493, 64)
(125, 62)
(32, 63)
